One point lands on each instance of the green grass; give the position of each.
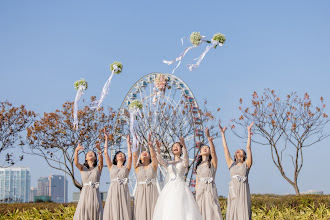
(263, 207)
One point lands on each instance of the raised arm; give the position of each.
(106, 154)
(229, 160)
(212, 149)
(135, 156)
(129, 153)
(248, 147)
(160, 159)
(153, 154)
(99, 153)
(76, 159)
(185, 153)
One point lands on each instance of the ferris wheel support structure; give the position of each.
(169, 113)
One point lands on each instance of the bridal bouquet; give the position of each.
(217, 40)
(196, 40)
(80, 85)
(136, 104)
(115, 68)
(161, 82)
(134, 109)
(160, 86)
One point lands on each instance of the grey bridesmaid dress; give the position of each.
(118, 203)
(90, 204)
(146, 194)
(239, 199)
(206, 193)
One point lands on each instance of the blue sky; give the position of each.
(284, 45)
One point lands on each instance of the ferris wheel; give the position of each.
(169, 111)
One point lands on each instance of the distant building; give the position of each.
(43, 186)
(58, 188)
(312, 192)
(33, 193)
(76, 196)
(15, 184)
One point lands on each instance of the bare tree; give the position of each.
(286, 126)
(13, 121)
(54, 138)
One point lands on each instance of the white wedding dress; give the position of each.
(175, 201)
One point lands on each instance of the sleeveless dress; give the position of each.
(207, 194)
(146, 193)
(90, 205)
(175, 201)
(118, 203)
(239, 199)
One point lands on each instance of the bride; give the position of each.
(175, 201)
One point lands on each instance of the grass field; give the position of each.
(263, 207)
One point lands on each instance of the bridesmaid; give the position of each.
(90, 203)
(118, 203)
(239, 199)
(146, 192)
(206, 191)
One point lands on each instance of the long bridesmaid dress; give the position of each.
(90, 203)
(239, 198)
(206, 193)
(146, 194)
(118, 203)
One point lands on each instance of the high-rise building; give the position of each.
(43, 186)
(15, 184)
(58, 188)
(33, 193)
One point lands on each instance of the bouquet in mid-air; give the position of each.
(134, 109)
(80, 85)
(196, 40)
(115, 68)
(160, 86)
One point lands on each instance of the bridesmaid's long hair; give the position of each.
(94, 163)
(200, 159)
(140, 161)
(114, 160)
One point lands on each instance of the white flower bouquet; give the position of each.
(81, 82)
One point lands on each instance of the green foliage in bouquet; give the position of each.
(81, 82)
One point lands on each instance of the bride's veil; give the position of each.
(162, 177)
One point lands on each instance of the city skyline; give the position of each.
(15, 184)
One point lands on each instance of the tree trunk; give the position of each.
(76, 183)
(296, 188)
(294, 184)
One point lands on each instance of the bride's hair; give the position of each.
(180, 146)
(200, 159)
